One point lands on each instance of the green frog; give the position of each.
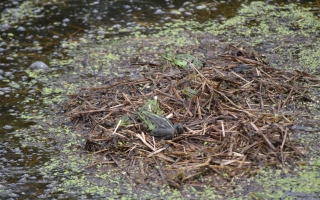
(189, 92)
(184, 60)
(159, 125)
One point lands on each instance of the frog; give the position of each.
(184, 61)
(124, 121)
(153, 106)
(159, 126)
(189, 92)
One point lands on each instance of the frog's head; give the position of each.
(178, 128)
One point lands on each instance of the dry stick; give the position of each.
(292, 79)
(190, 130)
(232, 127)
(187, 107)
(132, 162)
(170, 96)
(249, 114)
(198, 166)
(92, 111)
(193, 146)
(100, 151)
(228, 162)
(213, 167)
(131, 149)
(126, 98)
(145, 142)
(315, 86)
(209, 100)
(154, 142)
(289, 95)
(204, 128)
(144, 136)
(98, 123)
(246, 60)
(265, 73)
(241, 78)
(188, 110)
(258, 72)
(99, 163)
(114, 160)
(223, 95)
(116, 84)
(155, 152)
(263, 136)
(105, 117)
(72, 112)
(170, 115)
(176, 93)
(282, 145)
(279, 106)
(237, 154)
(177, 144)
(287, 78)
(219, 72)
(243, 160)
(203, 87)
(261, 99)
(198, 108)
(222, 125)
(232, 143)
(164, 157)
(284, 117)
(245, 85)
(94, 127)
(270, 98)
(113, 131)
(87, 102)
(193, 175)
(206, 80)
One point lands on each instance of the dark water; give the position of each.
(35, 33)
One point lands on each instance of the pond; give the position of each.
(86, 42)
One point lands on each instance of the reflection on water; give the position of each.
(32, 32)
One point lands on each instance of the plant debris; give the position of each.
(236, 119)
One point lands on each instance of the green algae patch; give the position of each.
(302, 182)
(287, 35)
(310, 57)
(100, 56)
(95, 57)
(15, 15)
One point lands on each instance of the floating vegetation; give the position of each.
(240, 117)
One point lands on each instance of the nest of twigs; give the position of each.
(239, 120)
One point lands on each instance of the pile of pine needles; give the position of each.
(238, 120)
